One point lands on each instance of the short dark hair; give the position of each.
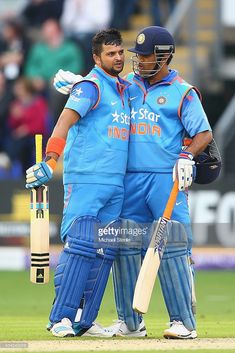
(107, 37)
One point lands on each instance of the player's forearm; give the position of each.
(199, 142)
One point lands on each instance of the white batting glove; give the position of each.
(38, 175)
(64, 81)
(184, 170)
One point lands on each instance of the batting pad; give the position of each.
(175, 277)
(126, 268)
(95, 288)
(73, 269)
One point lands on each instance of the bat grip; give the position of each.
(171, 201)
(38, 145)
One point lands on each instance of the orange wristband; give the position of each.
(56, 145)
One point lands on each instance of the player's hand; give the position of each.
(64, 81)
(38, 174)
(184, 170)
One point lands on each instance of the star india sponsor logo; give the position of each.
(121, 118)
(120, 128)
(144, 114)
(145, 122)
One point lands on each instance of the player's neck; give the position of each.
(159, 76)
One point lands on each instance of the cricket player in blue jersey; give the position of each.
(164, 110)
(95, 146)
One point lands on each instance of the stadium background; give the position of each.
(205, 56)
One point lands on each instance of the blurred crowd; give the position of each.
(37, 38)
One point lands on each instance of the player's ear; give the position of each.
(96, 59)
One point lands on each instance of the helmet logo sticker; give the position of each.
(161, 100)
(141, 38)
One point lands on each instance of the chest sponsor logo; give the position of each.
(120, 128)
(118, 133)
(145, 122)
(144, 114)
(145, 129)
(121, 118)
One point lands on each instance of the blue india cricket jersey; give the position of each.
(161, 115)
(97, 145)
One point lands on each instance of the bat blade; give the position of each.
(39, 235)
(149, 269)
(39, 227)
(148, 272)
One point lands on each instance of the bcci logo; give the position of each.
(161, 100)
(140, 38)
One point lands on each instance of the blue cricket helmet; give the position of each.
(208, 164)
(153, 39)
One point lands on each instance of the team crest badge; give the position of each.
(140, 38)
(161, 100)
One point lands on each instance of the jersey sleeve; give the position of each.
(83, 97)
(193, 115)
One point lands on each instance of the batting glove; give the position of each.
(184, 170)
(38, 175)
(64, 81)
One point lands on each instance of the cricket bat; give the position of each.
(39, 227)
(148, 272)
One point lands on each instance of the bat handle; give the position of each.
(38, 145)
(171, 201)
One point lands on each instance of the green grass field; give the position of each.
(24, 308)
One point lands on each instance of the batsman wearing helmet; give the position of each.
(164, 110)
